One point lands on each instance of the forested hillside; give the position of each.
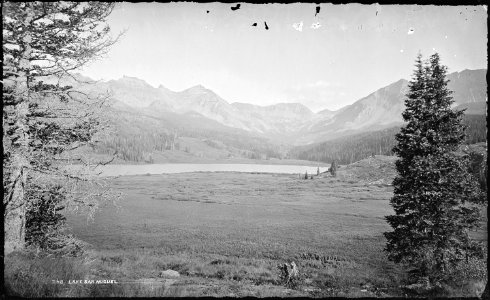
(141, 138)
(143, 146)
(347, 150)
(148, 137)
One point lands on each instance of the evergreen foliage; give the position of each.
(43, 216)
(333, 168)
(478, 168)
(44, 117)
(435, 197)
(349, 149)
(45, 223)
(476, 128)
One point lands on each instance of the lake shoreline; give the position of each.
(218, 172)
(155, 169)
(198, 160)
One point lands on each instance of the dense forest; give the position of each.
(352, 148)
(140, 146)
(249, 146)
(349, 149)
(140, 141)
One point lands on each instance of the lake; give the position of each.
(121, 170)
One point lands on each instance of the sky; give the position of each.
(324, 61)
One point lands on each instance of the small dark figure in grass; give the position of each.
(333, 169)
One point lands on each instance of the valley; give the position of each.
(157, 125)
(226, 233)
(234, 150)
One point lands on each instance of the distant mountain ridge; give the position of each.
(277, 118)
(383, 108)
(291, 123)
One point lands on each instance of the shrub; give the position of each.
(45, 225)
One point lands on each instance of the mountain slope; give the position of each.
(291, 123)
(348, 149)
(378, 110)
(277, 118)
(203, 101)
(383, 108)
(473, 108)
(469, 86)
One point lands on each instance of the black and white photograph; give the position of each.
(184, 149)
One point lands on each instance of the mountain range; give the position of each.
(290, 123)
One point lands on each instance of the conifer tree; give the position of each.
(435, 198)
(46, 117)
(333, 168)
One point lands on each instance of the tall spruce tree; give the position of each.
(45, 119)
(435, 198)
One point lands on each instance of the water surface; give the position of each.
(121, 170)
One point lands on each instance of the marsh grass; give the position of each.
(226, 233)
(28, 275)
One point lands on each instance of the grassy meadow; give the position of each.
(226, 233)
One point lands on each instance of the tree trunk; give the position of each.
(15, 210)
(14, 201)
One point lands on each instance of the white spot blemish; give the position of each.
(298, 26)
(411, 31)
(316, 25)
(433, 49)
(401, 50)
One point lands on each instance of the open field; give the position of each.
(226, 233)
(254, 221)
